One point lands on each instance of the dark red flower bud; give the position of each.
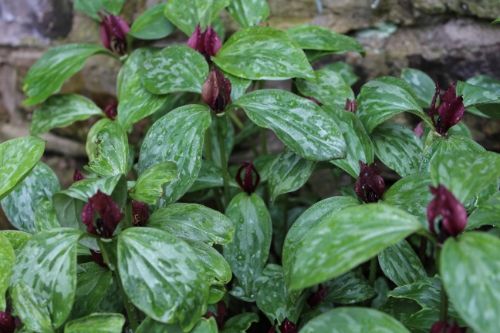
(318, 296)
(288, 327)
(247, 177)
(216, 91)
(370, 185)
(7, 322)
(107, 213)
(445, 214)
(114, 32)
(444, 327)
(140, 213)
(450, 111)
(111, 110)
(351, 105)
(207, 42)
(97, 258)
(78, 175)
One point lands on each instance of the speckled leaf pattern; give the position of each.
(85, 188)
(178, 137)
(328, 87)
(345, 70)
(7, 260)
(301, 124)
(359, 144)
(240, 323)
(149, 186)
(45, 216)
(193, 222)
(354, 320)
(239, 86)
(465, 173)
(249, 12)
(262, 53)
(107, 148)
(162, 276)
(31, 310)
(47, 264)
(333, 246)
(96, 323)
(209, 176)
(479, 90)
(20, 205)
(206, 326)
(423, 86)
(61, 111)
(134, 101)
(349, 288)
(92, 7)
(398, 148)
(288, 173)
(151, 326)
(55, 66)
(307, 220)
(385, 97)
(16, 238)
(487, 213)
(248, 252)
(176, 68)
(313, 37)
(470, 269)
(216, 267)
(14, 166)
(401, 264)
(226, 128)
(152, 24)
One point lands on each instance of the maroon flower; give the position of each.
(108, 215)
(351, 105)
(419, 129)
(113, 32)
(445, 214)
(7, 322)
(318, 296)
(288, 327)
(444, 327)
(78, 175)
(247, 177)
(370, 185)
(140, 213)
(97, 258)
(216, 91)
(207, 42)
(111, 110)
(450, 111)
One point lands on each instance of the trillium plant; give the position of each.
(199, 227)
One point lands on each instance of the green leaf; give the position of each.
(301, 124)
(401, 264)
(135, 102)
(93, 7)
(96, 323)
(470, 269)
(306, 221)
(152, 24)
(217, 269)
(176, 68)
(55, 66)
(345, 70)
(248, 252)
(240, 323)
(289, 172)
(398, 148)
(35, 265)
(162, 276)
(186, 14)
(385, 97)
(353, 320)
(16, 238)
(210, 176)
(20, 205)
(328, 87)
(239, 86)
(206, 326)
(193, 222)
(31, 310)
(423, 86)
(61, 111)
(107, 148)
(85, 188)
(151, 326)
(479, 90)
(149, 185)
(321, 256)
(313, 37)
(487, 213)
(349, 288)
(45, 216)
(262, 53)
(249, 13)
(15, 166)
(7, 260)
(178, 137)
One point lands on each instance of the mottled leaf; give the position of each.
(423, 86)
(345, 70)
(249, 12)
(401, 264)
(7, 260)
(487, 213)
(349, 288)
(149, 186)
(45, 216)
(313, 37)
(93, 7)
(479, 90)
(31, 309)
(151, 326)
(240, 323)
(206, 326)
(96, 323)
(216, 267)
(152, 24)
(16, 238)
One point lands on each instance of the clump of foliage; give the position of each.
(167, 236)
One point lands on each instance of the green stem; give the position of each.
(223, 159)
(208, 145)
(373, 271)
(263, 141)
(236, 120)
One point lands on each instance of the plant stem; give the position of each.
(263, 142)
(373, 271)
(236, 120)
(208, 145)
(223, 158)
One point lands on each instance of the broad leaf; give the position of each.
(151, 326)
(149, 186)
(262, 53)
(107, 148)
(21, 204)
(85, 188)
(152, 24)
(240, 323)
(345, 70)
(301, 124)
(31, 310)
(35, 265)
(249, 12)
(162, 276)
(45, 216)
(401, 264)
(96, 323)
(178, 137)
(423, 86)
(15, 166)
(56, 65)
(61, 111)
(16, 238)
(487, 213)
(479, 90)
(176, 68)
(248, 252)
(313, 37)
(93, 7)
(216, 267)
(193, 222)
(321, 256)
(470, 269)
(349, 288)
(206, 326)
(7, 260)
